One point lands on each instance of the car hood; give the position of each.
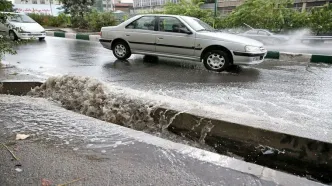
(229, 38)
(28, 27)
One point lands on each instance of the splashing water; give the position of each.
(92, 98)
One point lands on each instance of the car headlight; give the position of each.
(23, 32)
(252, 49)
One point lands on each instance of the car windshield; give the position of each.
(21, 18)
(197, 24)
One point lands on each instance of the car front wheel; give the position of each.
(13, 36)
(216, 60)
(121, 50)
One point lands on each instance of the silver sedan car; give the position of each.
(181, 37)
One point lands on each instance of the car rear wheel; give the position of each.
(12, 35)
(216, 60)
(121, 50)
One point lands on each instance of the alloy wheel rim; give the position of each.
(120, 50)
(216, 61)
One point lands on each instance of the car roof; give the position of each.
(164, 15)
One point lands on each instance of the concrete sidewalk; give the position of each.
(65, 146)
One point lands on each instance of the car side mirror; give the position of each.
(186, 31)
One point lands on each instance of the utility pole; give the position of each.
(51, 1)
(107, 1)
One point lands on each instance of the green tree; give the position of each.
(268, 14)
(77, 8)
(189, 8)
(6, 45)
(321, 19)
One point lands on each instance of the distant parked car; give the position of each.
(265, 36)
(181, 37)
(21, 26)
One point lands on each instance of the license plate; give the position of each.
(256, 58)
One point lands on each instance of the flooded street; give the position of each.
(285, 96)
(64, 146)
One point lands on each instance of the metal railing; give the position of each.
(316, 39)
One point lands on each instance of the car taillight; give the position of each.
(100, 33)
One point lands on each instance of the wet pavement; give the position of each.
(64, 146)
(288, 96)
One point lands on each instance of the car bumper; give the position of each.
(243, 58)
(30, 36)
(106, 43)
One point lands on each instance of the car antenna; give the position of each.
(248, 25)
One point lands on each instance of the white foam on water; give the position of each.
(133, 108)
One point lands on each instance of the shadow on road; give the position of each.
(165, 70)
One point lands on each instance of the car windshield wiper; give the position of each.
(202, 30)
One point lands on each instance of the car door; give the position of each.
(141, 34)
(171, 38)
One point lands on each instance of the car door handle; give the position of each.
(127, 35)
(160, 38)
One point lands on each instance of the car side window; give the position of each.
(263, 33)
(252, 32)
(143, 23)
(171, 24)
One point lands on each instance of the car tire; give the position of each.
(121, 50)
(216, 60)
(12, 35)
(42, 39)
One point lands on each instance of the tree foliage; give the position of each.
(96, 20)
(6, 46)
(77, 8)
(189, 8)
(6, 6)
(321, 19)
(269, 14)
(275, 15)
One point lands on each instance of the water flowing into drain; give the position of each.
(92, 98)
(297, 155)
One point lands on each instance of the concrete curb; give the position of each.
(87, 37)
(289, 153)
(298, 57)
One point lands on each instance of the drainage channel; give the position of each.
(292, 154)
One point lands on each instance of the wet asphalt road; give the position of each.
(293, 96)
(66, 146)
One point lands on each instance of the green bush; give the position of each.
(95, 20)
(320, 19)
(62, 20)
